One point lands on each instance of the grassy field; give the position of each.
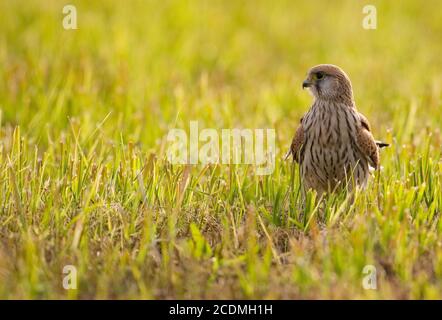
(84, 178)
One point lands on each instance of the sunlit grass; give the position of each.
(84, 179)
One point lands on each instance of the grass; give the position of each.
(84, 179)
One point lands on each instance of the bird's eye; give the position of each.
(319, 75)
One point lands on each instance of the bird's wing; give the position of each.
(297, 143)
(381, 144)
(366, 142)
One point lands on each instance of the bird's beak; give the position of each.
(306, 83)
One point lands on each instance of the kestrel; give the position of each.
(333, 144)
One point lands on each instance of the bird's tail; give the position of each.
(381, 144)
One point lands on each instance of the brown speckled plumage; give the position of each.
(333, 143)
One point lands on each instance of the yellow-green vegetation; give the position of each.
(84, 178)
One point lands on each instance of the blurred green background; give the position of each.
(225, 63)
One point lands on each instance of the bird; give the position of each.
(333, 143)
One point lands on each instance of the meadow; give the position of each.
(85, 182)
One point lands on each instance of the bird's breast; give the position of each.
(330, 126)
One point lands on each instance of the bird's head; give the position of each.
(329, 82)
